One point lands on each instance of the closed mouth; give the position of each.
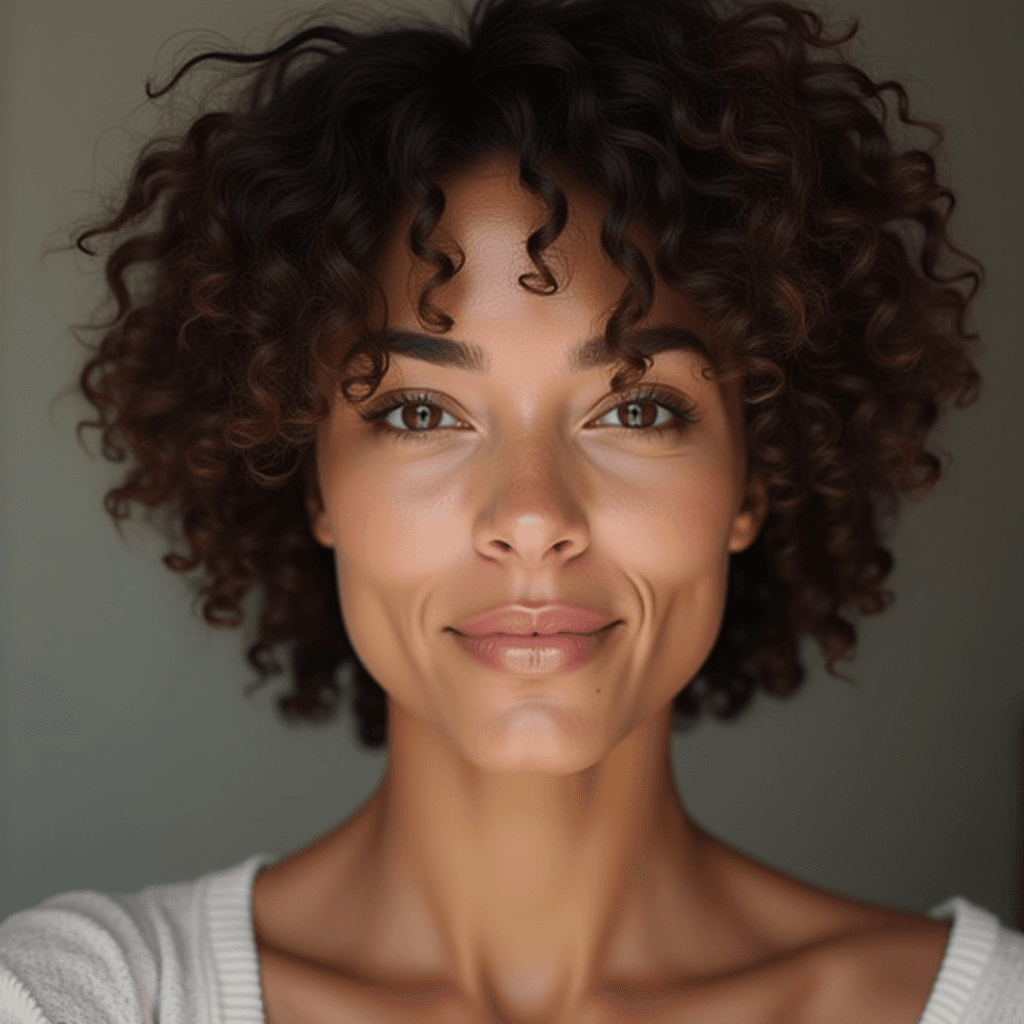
(531, 636)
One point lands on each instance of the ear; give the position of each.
(318, 522)
(751, 515)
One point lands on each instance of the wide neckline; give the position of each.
(235, 964)
(236, 982)
(969, 948)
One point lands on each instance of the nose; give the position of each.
(533, 514)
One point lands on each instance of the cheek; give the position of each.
(680, 552)
(393, 543)
(677, 530)
(672, 525)
(395, 535)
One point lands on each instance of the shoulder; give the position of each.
(982, 976)
(90, 956)
(883, 972)
(77, 948)
(845, 960)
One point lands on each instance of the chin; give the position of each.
(538, 738)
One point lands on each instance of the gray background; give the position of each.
(130, 755)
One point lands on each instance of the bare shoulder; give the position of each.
(883, 973)
(843, 960)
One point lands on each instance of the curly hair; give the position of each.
(776, 194)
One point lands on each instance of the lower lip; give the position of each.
(534, 655)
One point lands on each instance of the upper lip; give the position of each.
(519, 619)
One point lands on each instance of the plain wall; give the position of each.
(130, 755)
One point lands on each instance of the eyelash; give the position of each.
(684, 415)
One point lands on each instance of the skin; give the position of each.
(526, 852)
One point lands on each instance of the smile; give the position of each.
(535, 654)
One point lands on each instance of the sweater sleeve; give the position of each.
(999, 998)
(178, 953)
(77, 958)
(981, 977)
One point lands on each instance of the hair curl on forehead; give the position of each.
(758, 156)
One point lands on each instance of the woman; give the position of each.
(552, 379)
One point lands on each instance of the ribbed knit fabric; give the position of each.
(981, 977)
(175, 954)
(233, 945)
(185, 954)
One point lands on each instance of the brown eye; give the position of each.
(650, 413)
(641, 413)
(418, 417)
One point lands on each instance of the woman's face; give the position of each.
(529, 485)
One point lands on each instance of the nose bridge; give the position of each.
(532, 457)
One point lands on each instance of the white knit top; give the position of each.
(185, 954)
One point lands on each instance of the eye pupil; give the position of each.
(422, 414)
(635, 416)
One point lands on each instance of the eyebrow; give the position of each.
(588, 354)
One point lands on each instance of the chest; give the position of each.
(886, 979)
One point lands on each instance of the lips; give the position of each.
(520, 619)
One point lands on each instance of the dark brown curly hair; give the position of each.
(777, 197)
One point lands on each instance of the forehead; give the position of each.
(489, 216)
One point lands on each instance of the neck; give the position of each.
(530, 887)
